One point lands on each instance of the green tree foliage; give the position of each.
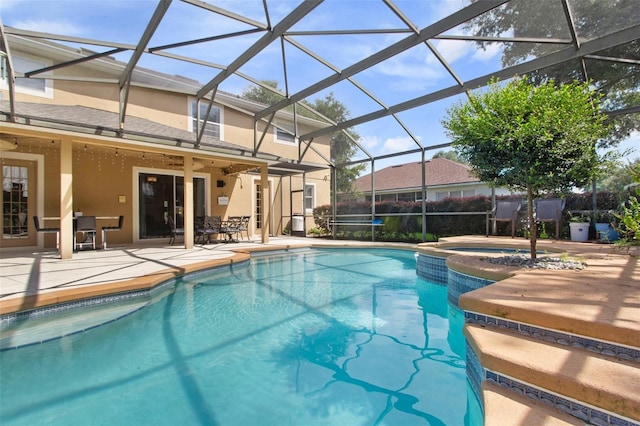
(449, 155)
(342, 147)
(620, 177)
(262, 94)
(629, 217)
(619, 82)
(532, 139)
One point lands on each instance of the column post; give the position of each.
(66, 198)
(265, 201)
(188, 202)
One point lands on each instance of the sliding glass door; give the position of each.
(162, 196)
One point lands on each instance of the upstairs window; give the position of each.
(282, 136)
(31, 86)
(214, 119)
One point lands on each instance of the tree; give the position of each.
(533, 139)
(620, 177)
(449, 155)
(619, 82)
(342, 147)
(262, 94)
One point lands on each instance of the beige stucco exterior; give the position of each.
(105, 169)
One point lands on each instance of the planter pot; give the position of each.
(606, 233)
(579, 231)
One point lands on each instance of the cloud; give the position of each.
(399, 144)
(451, 50)
(369, 142)
(490, 51)
(49, 26)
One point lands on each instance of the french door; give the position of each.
(18, 203)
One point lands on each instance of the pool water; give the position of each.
(319, 337)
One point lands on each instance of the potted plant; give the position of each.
(579, 227)
(605, 225)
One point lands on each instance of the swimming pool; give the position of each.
(338, 336)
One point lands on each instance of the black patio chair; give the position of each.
(47, 230)
(173, 231)
(85, 225)
(106, 229)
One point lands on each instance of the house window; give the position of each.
(406, 196)
(214, 121)
(284, 137)
(469, 193)
(4, 68)
(309, 196)
(32, 86)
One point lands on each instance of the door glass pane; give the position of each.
(161, 196)
(15, 198)
(179, 200)
(258, 212)
(156, 203)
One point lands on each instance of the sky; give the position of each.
(408, 75)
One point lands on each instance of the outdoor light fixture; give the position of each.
(7, 144)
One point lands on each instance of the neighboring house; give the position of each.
(77, 139)
(444, 178)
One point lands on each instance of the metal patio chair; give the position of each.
(504, 211)
(549, 210)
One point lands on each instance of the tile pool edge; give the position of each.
(20, 303)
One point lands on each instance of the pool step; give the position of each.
(574, 380)
(504, 407)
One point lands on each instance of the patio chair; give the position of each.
(106, 229)
(210, 226)
(36, 222)
(230, 227)
(549, 210)
(504, 211)
(242, 224)
(85, 225)
(173, 230)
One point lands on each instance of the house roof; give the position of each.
(110, 69)
(439, 172)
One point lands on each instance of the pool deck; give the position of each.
(602, 301)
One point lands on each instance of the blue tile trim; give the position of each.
(432, 268)
(586, 413)
(459, 283)
(475, 373)
(625, 353)
(72, 333)
(9, 319)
